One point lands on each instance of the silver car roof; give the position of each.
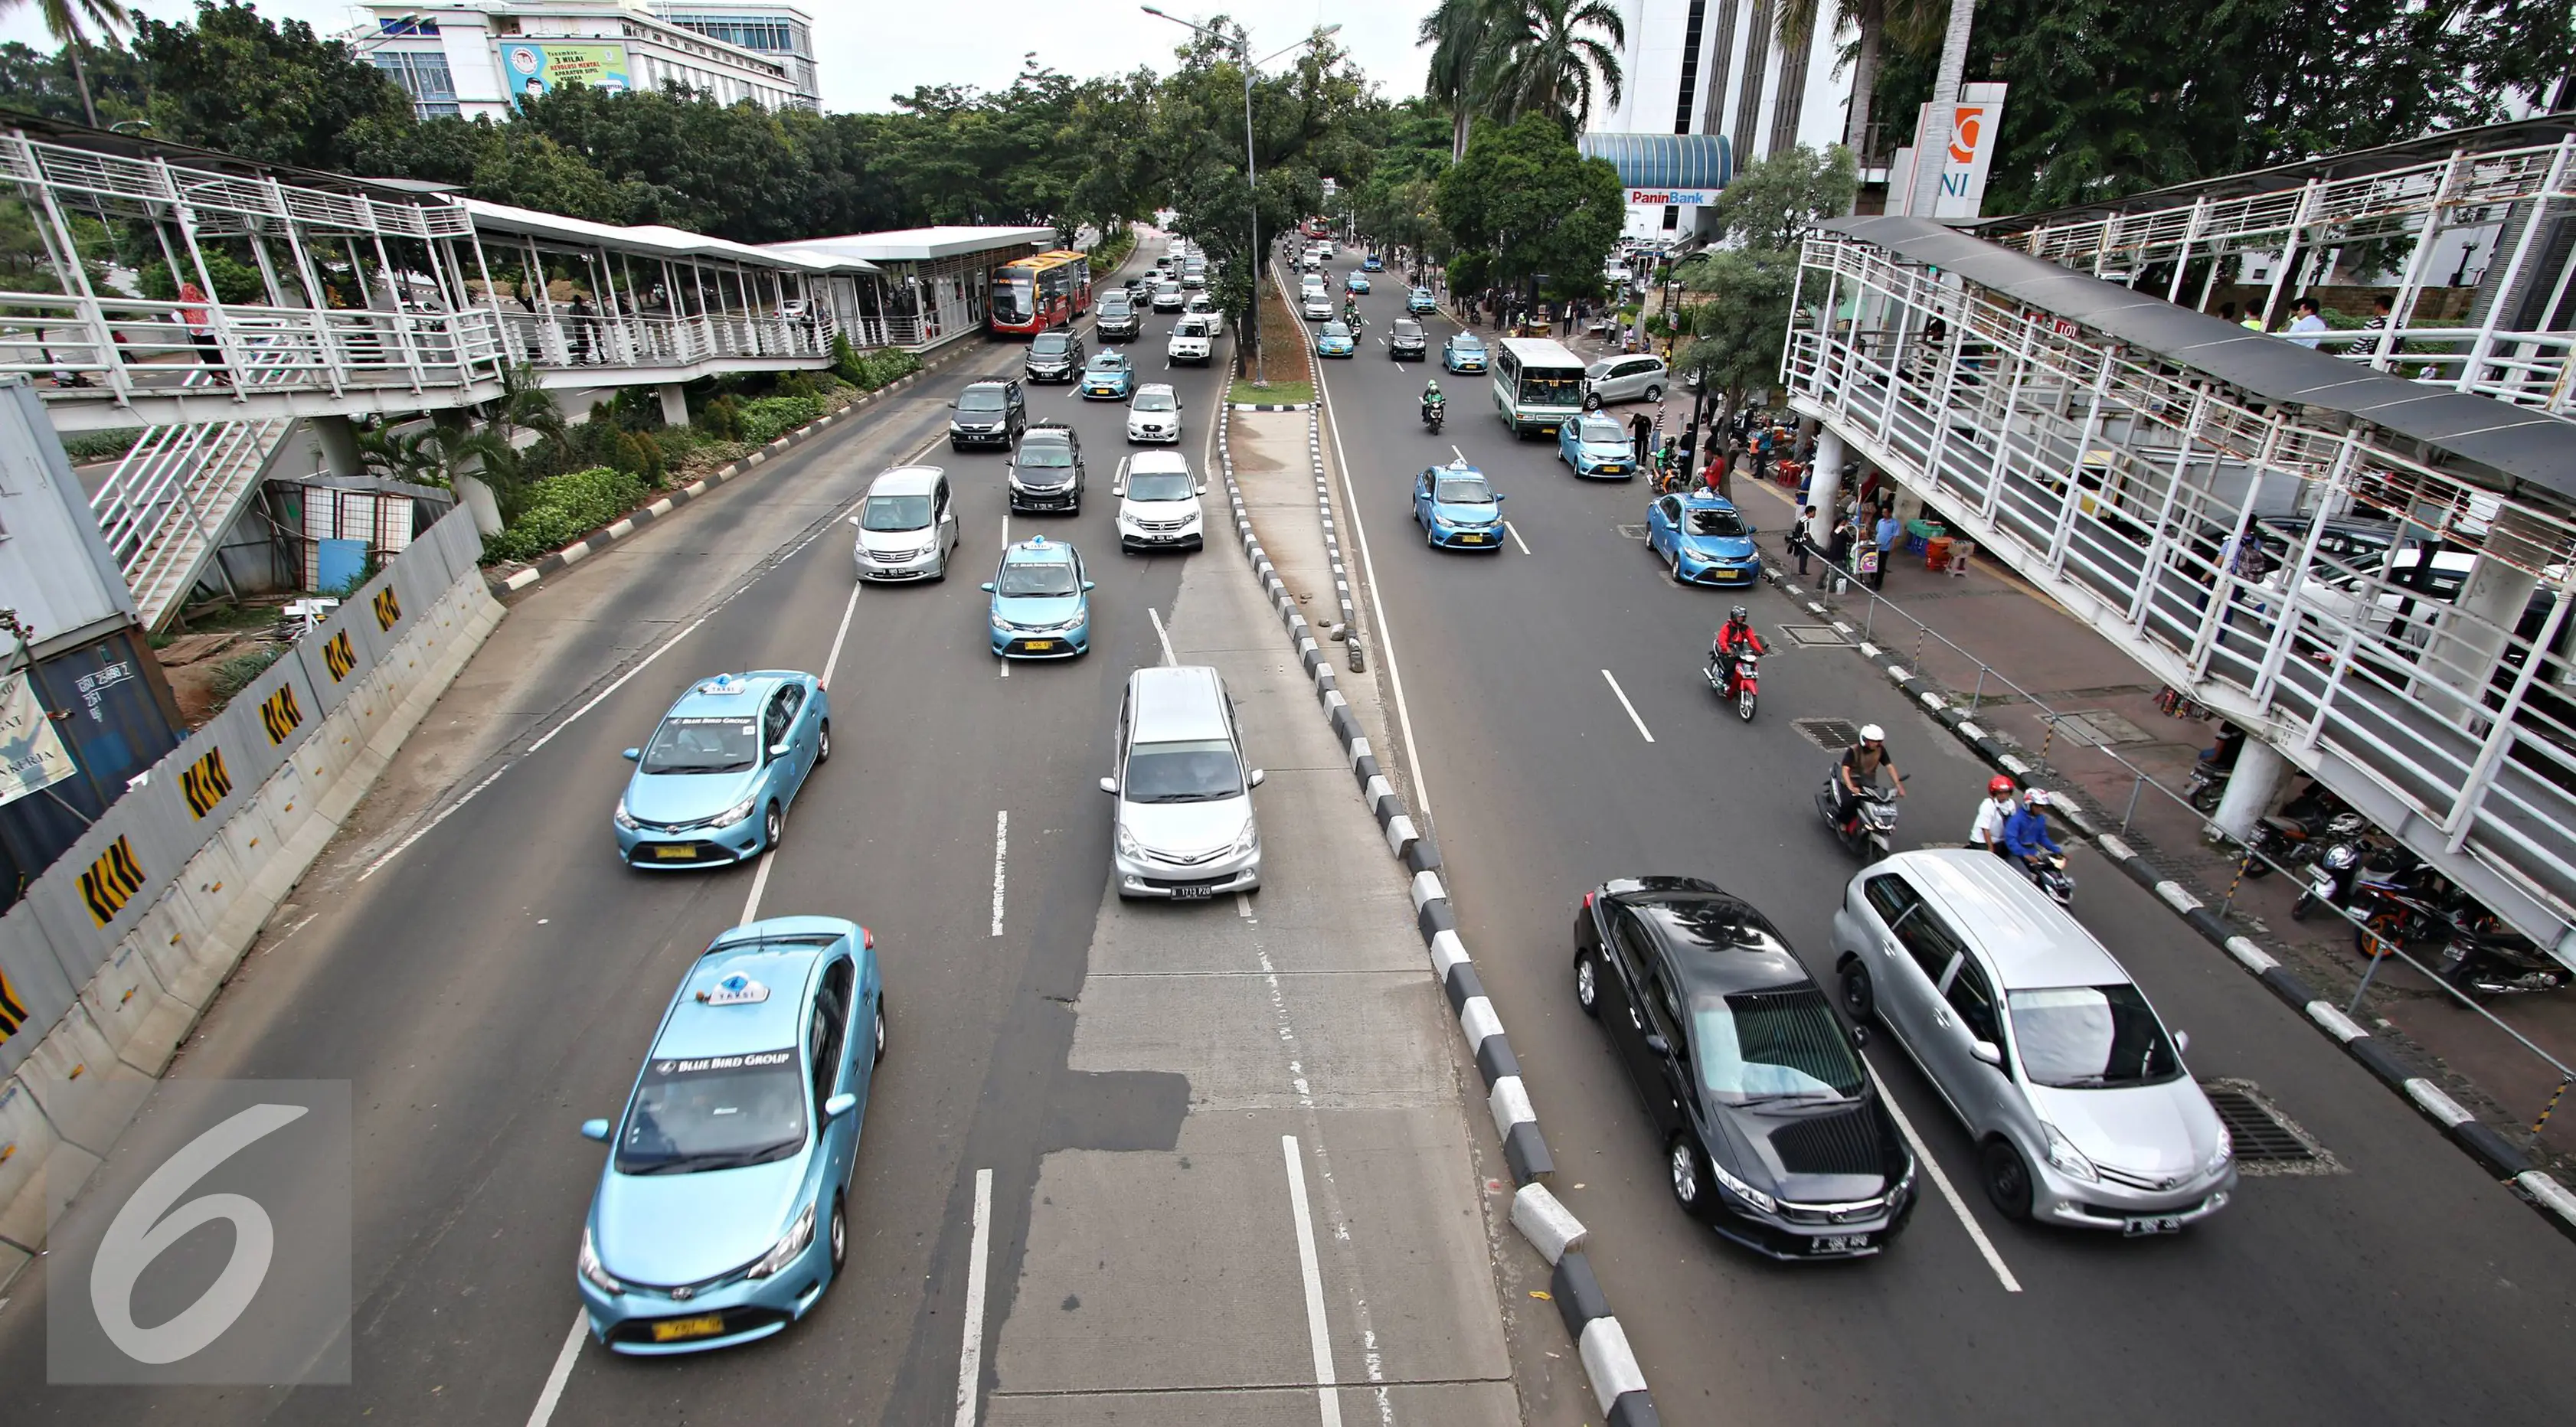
(1175, 703)
(906, 480)
(2029, 940)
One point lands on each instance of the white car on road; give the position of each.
(1158, 503)
(1204, 308)
(1190, 342)
(1155, 415)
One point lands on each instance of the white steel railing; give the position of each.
(171, 499)
(2122, 483)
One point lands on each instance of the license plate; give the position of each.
(1190, 892)
(1034, 645)
(2323, 886)
(2153, 1224)
(1837, 1243)
(1612, 469)
(1471, 540)
(675, 854)
(673, 1330)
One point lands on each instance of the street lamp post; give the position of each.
(1251, 179)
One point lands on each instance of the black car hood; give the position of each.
(1807, 1155)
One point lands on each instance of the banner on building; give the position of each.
(545, 68)
(1976, 125)
(1664, 197)
(32, 756)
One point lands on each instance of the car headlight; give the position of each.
(784, 1252)
(2226, 1152)
(591, 1269)
(2063, 1154)
(1127, 846)
(624, 818)
(1742, 1190)
(1003, 624)
(1249, 839)
(736, 813)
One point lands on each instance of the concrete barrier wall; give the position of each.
(114, 952)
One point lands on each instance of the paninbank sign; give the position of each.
(1662, 197)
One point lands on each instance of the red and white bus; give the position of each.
(1034, 294)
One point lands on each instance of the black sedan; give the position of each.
(1405, 342)
(1773, 1131)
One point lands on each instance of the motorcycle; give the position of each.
(2299, 832)
(2208, 782)
(1871, 828)
(2400, 901)
(1738, 679)
(2485, 959)
(2331, 876)
(2048, 873)
(1433, 413)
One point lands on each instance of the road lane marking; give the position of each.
(1940, 1181)
(834, 661)
(1316, 1334)
(1001, 857)
(1161, 634)
(544, 1411)
(759, 884)
(1514, 532)
(1454, 451)
(1631, 708)
(422, 831)
(970, 1352)
(1243, 905)
(1377, 606)
(601, 697)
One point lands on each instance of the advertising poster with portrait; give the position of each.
(542, 68)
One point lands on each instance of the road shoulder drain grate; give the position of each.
(1815, 634)
(1633, 532)
(1830, 734)
(2267, 1141)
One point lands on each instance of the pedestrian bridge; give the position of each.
(2408, 644)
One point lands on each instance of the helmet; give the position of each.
(1872, 733)
(2038, 798)
(1997, 785)
(1432, 385)
(1738, 615)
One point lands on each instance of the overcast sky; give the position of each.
(869, 50)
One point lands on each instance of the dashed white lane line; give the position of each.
(544, 1411)
(1317, 1336)
(1631, 708)
(622, 680)
(970, 1351)
(1514, 531)
(1941, 1182)
(759, 884)
(416, 834)
(1161, 634)
(1001, 862)
(840, 635)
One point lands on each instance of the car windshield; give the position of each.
(1169, 289)
(1200, 770)
(2091, 1037)
(702, 745)
(1160, 485)
(1051, 454)
(1550, 387)
(981, 399)
(1461, 490)
(1336, 329)
(1107, 362)
(1050, 344)
(1406, 329)
(896, 512)
(1716, 522)
(1113, 307)
(1037, 579)
(1601, 430)
(1154, 401)
(714, 1112)
(1753, 1047)
(1464, 343)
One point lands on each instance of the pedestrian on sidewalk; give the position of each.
(1890, 529)
(1802, 541)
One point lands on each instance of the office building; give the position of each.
(479, 59)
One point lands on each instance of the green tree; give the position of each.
(1544, 57)
(1524, 203)
(1772, 202)
(1459, 34)
(70, 21)
(275, 93)
(1735, 335)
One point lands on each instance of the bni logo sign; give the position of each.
(213, 1245)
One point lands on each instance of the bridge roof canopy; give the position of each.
(919, 245)
(2516, 444)
(650, 239)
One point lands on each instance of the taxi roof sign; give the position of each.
(725, 684)
(735, 990)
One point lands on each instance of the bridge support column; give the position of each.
(2260, 770)
(479, 502)
(339, 439)
(2460, 659)
(675, 405)
(1825, 487)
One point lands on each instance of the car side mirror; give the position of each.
(1109, 785)
(1202, 488)
(854, 520)
(2182, 1042)
(986, 587)
(1118, 488)
(1090, 584)
(1657, 1045)
(595, 1130)
(1988, 1052)
(1499, 496)
(780, 749)
(952, 406)
(840, 1105)
(1860, 1036)
(633, 754)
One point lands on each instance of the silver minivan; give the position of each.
(2076, 1095)
(1183, 823)
(1624, 379)
(907, 525)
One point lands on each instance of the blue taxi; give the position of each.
(1596, 446)
(1041, 601)
(1420, 301)
(1336, 340)
(713, 784)
(1371, 264)
(1109, 376)
(1463, 352)
(1701, 535)
(721, 1215)
(1456, 509)
(1356, 282)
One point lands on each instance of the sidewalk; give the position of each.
(2020, 636)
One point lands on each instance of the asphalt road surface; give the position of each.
(1565, 735)
(1198, 1152)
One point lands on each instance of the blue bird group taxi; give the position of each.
(1596, 446)
(713, 784)
(1456, 509)
(1701, 535)
(1108, 376)
(1041, 601)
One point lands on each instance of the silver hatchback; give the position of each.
(2075, 1093)
(1625, 379)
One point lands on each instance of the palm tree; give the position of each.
(1456, 31)
(1542, 57)
(1912, 26)
(69, 22)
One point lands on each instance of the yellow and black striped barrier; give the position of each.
(388, 609)
(111, 881)
(205, 783)
(281, 714)
(339, 656)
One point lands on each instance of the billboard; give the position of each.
(543, 67)
(32, 756)
(1976, 124)
(1661, 197)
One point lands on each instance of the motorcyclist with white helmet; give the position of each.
(1432, 399)
(1861, 764)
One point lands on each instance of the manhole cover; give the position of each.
(1830, 734)
(2267, 1141)
(1814, 634)
(2096, 728)
(1633, 532)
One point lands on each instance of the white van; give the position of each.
(1158, 503)
(1183, 824)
